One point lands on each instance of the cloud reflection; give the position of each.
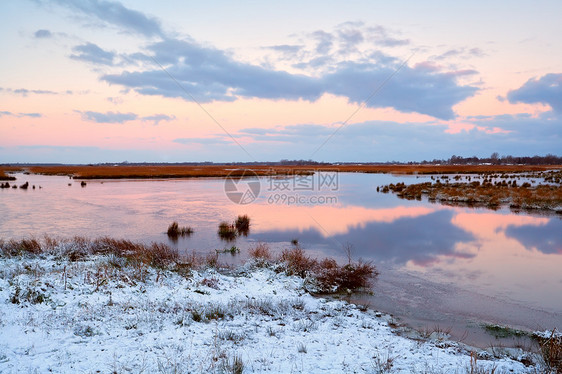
(544, 238)
(422, 239)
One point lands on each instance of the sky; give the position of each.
(91, 81)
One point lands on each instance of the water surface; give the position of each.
(439, 264)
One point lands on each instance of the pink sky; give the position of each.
(81, 81)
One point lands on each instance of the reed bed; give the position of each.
(198, 171)
(525, 196)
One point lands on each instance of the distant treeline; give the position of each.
(496, 159)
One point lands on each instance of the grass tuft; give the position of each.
(261, 253)
(174, 230)
(227, 231)
(551, 352)
(242, 224)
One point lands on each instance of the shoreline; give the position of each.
(255, 315)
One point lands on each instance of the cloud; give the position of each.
(156, 118)
(42, 34)
(19, 115)
(24, 92)
(544, 90)
(210, 74)
(91, 53)
(116, 14)
(349, 38)
(464, 53)
(286, 48)
(381, 36)
(204, 141)
(324, 41)
(386, 141)
(108, 117)
(116, 117)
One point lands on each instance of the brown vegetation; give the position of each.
(551, 352)
(215, 170)
(242, 224)
(261, 252)
(77, 248)
(4, 176)
(491, 195)
(227, 231)
(325, 275)
(174, 230)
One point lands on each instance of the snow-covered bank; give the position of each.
(98, 315)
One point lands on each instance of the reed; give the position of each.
(175, 231)
(227, 231)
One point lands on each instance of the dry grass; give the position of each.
(327, 274)
(161, 171)
(174, 230)
(351, 276)
(227, 231)
(5, 177)
(297, 262)
(193, 171)
(551, 352)
(242, 224)
(78, 248)
(261, 252)
(544, 197)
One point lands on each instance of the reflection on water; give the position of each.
(502, 255)
(546, 237)
(420, 239)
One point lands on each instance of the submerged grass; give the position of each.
(227, 231)
(174, 230)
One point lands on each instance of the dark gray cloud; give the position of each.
(108, 117)
(42, 34)
(116, 14)
(210, 74)
(91, 53)
(545, 90)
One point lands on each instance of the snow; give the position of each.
(101, 315)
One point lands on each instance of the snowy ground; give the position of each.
(101, 316)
